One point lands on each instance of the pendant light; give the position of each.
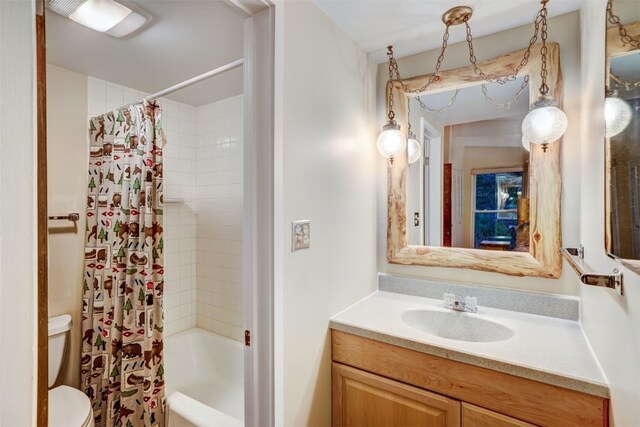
(545, 122)
(617, 114)
(413, 150)
(391, 141)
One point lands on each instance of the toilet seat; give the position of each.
(69, 407)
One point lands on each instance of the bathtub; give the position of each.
(204, 380)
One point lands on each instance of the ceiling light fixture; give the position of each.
(545, 122)
(117, 18)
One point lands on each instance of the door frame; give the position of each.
(259, 220)
(259, 32)
(432, 154)
(42, 298)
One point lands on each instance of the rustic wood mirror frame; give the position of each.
(544, 258)
(615, 48)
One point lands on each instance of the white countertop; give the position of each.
(546, 349)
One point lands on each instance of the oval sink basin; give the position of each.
(455, 325)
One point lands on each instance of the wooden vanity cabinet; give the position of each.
(378, 384)
(365, 399)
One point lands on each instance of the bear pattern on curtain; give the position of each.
(122, 321)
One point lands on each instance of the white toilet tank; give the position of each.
(59, 327)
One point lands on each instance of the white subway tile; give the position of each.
(97, 88)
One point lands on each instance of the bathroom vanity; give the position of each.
(403, 359)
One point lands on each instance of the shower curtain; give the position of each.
(122, 359)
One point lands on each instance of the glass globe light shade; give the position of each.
(391, 142)
(413, 150)
(617, 115)
(545, 122)
(526, 144)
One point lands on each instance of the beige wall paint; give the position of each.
(564, 29)
(611, 323)
(326, 156)
(18, 264)
(67, 159)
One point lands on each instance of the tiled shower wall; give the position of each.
(219, 225)
(179, 157)
(203, 209)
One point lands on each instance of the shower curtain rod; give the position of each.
(230, 66)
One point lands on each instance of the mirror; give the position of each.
(622, 117)
(476, 198)
(469, 188)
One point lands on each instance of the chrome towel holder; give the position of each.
(74, 216)
(575, 257)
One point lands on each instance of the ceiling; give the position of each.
(414, 26)
(470, 105)
(185, 38)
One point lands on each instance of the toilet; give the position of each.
(68, 407)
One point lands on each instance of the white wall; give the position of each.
(611, 323)
(18, 220)
(220, 216)
(564, 29)
(67, 162)
(325, 172)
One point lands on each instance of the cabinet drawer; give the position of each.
(361, 399)
(474, 416)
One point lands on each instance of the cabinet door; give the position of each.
(475, 416)
(362, 399)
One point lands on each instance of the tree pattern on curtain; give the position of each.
(122, 321)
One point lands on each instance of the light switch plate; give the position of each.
(300, 237)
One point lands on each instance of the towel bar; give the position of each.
(70, 217)
(575, 257)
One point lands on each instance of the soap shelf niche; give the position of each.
(575, 257)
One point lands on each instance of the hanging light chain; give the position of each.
(615, 20)
(394, 72)
(544, 89)
(628, 86)
(392, 62)
(540, 27)
(540, 18)
(409, 131)
(505, 105)
(434, 77)
(439, 110)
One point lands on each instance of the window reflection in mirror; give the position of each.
(469, 188)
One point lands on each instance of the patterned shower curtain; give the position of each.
(122, 321)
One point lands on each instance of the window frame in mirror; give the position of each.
(544, 258)
(615, 48)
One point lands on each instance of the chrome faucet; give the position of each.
(453, 302)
